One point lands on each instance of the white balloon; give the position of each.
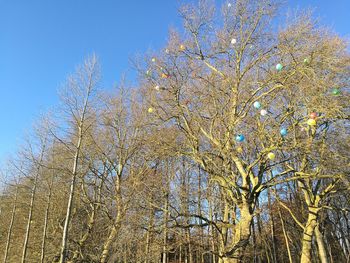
(156, 87)
(229, 4)
(233, 41)
(263, 112)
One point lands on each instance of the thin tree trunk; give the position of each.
(43, 243)
(211, 228)
(165, 229)
(90, 71)
(149, 235)
(63, 254)
(273, 235)
(321, 246)
(116, 224)
(31, 207)
(8, 240)
(285, 236)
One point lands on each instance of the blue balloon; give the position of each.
(240, 138)
(284, 131)
(257, 105)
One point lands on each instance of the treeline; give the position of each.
(234, 147)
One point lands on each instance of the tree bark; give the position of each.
(165, 230)
(43, 243)
(321, 246)
(31, 207)
(8, 240)
(242, 234)
(63, 254)
(306, 256)
(116, 224)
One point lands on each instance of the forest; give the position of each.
(232, 147)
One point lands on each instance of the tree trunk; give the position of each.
(242, 234)
(112, 235)
(321, 246)
(307, 236)
(63, 254)
(30, 218)
(87, 74)
(43, 243)
(8, 240)
(165, 230)
(149, 235)
(285, 236)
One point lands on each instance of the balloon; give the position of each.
(182, 47)
(335, 91)
(165, 76)
(311, 122)
(283, 131)
(150, 110)
(229, 5)
(279, 67)
(233, 41)
(313, 115)
(167, 51)
(263, 112)
(240, 138)
(148, 72)
(156, 87)
(257, 105)
(239, 149)
(306, 61)
(153, 59)
(271, 156)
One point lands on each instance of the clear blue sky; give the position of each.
(41, 41)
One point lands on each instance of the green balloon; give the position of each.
(306, 61)
(336, 91)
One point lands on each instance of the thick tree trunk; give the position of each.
(321, 246)
(242, 233)
(306, 256)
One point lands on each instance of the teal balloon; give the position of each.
(279, 67)
(240, 138)
(257, 105)
(283, 131)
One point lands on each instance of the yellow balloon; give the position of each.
(150, 110)
(182, 47)
(271, 156)
(311, 122)
(239, 149)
